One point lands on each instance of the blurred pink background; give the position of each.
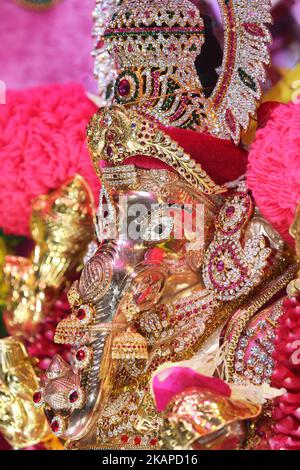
(41, 47)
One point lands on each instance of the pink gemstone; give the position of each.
(220, 266)
(230, 120)
(124, 87)
(230, 211)
(73, 397)
(37, 397)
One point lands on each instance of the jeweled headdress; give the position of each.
(155, 47)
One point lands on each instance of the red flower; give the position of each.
(42, 346)
(287, 375)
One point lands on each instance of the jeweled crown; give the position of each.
(145, 34)
(155, 46)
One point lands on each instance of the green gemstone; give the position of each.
(247, 79)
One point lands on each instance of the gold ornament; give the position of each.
(62, 227)
(129, 345)
(21, 423)
(199, 419)
(74, 296)
(116, 134)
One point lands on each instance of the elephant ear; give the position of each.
(246, 53)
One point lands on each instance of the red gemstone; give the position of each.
(172, 47)
(37, 397)
(230, 119)
(220, 266)
(100, 44)
(137, 440)
(124, 439)
(124, 87)
(254, 29)
(55, 425)
(153, 442)
(80, 355)
(111, 136)
(230, 211)
(81, 314)
(109, 151)
(73, 397)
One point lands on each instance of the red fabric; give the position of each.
(3, 444)
(221, 159)
(264, 113)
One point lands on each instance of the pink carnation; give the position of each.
(42, 143)
(274, 167)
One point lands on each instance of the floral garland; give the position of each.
(286, 375)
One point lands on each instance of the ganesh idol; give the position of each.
(159, 290)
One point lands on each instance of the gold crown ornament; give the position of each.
(155, 45)
(117, 133)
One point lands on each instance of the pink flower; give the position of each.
(42, 346)
(42, 143)
(274, 166)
